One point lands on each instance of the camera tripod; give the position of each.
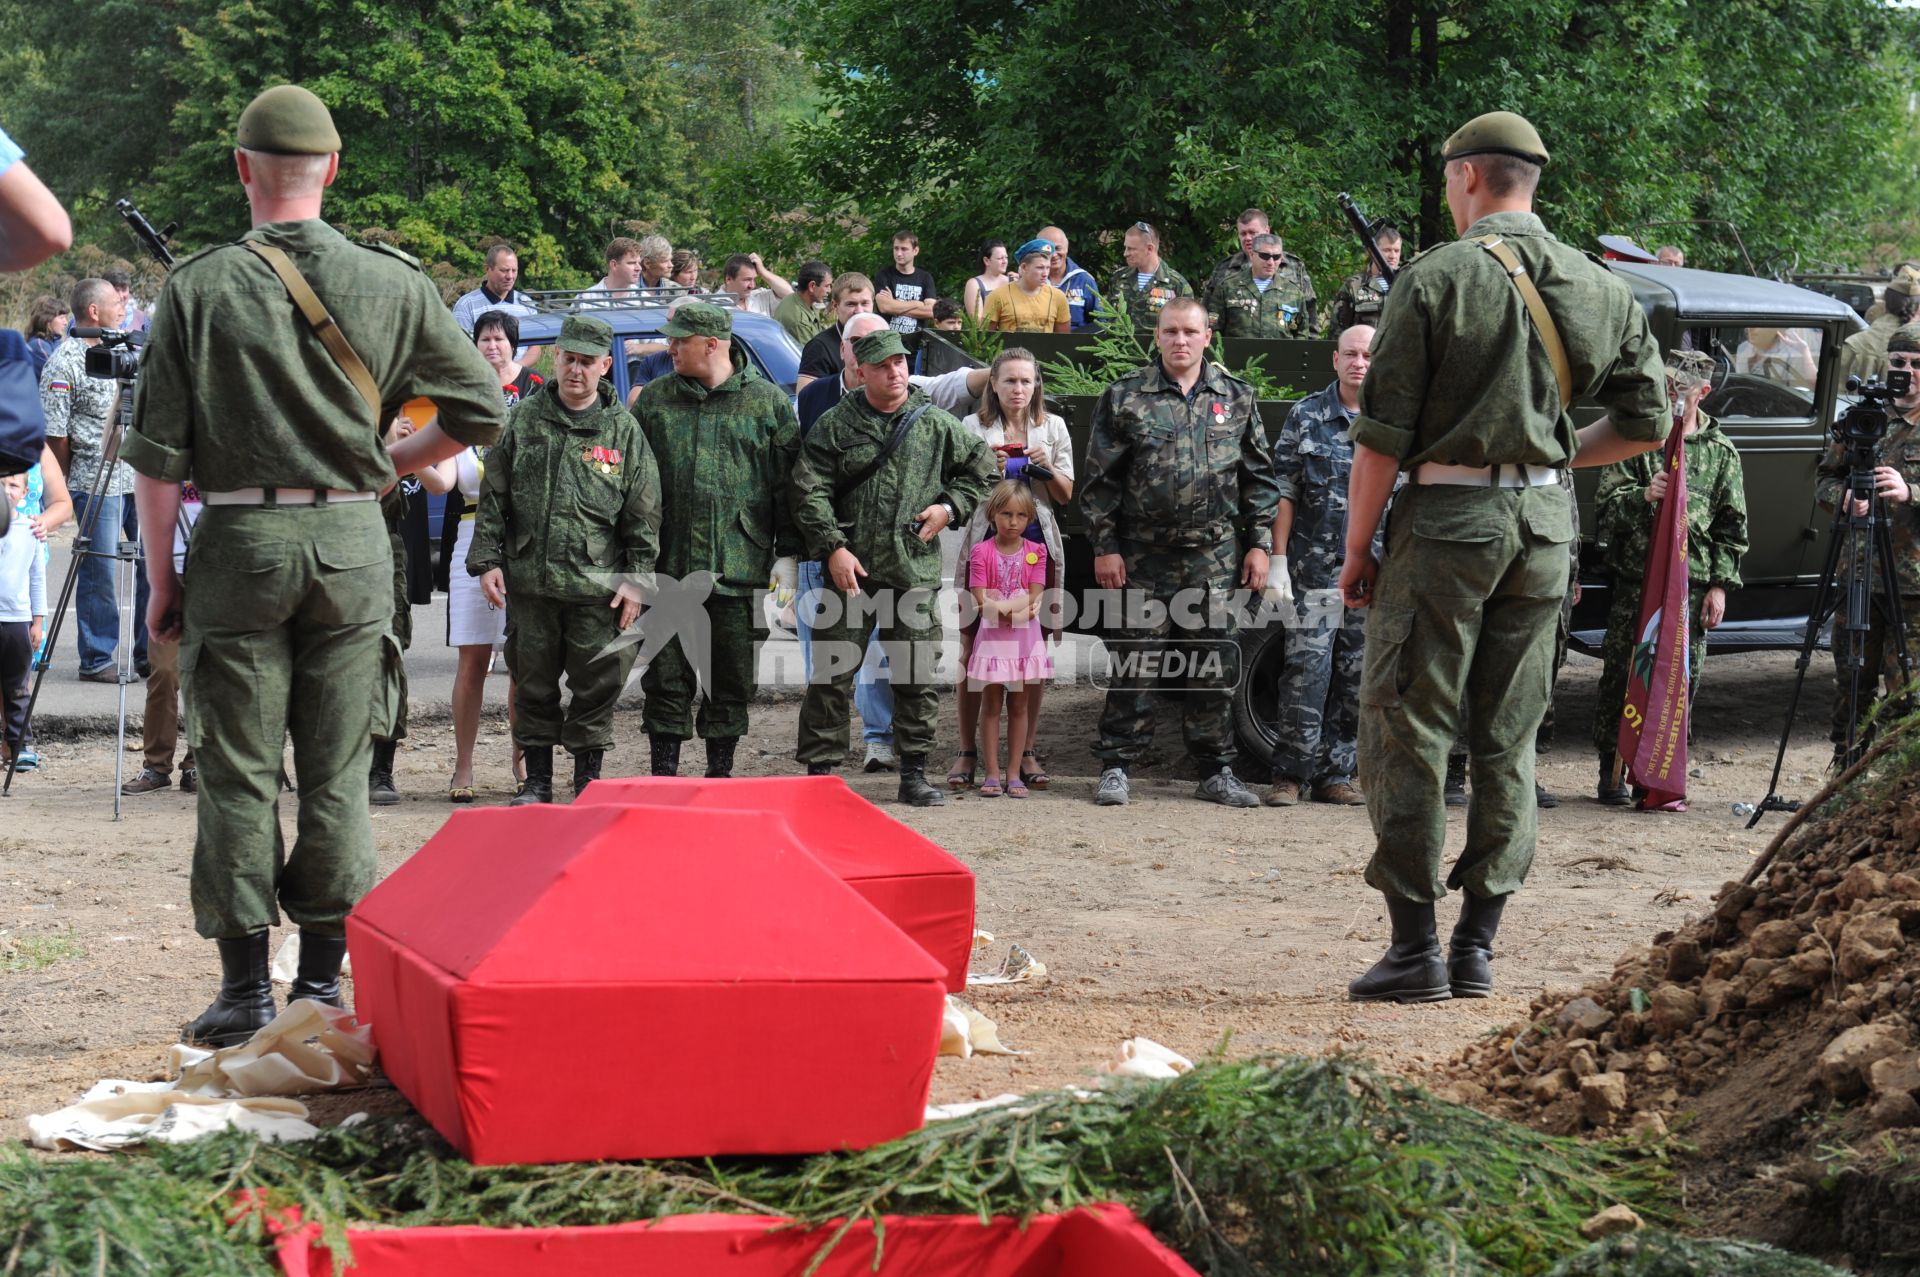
(1860, 550)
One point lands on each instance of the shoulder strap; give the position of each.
(1537, 308)
(866, 472)
(321, 322)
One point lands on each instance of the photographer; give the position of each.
(1896, 481)
(1626, 503)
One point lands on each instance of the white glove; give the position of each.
(1279, 580)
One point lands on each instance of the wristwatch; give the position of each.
(953, 512)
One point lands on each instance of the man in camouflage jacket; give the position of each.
(1320, 680)
(1260, 301)
(1251, 224)
(1897, 482)
(1179, 501)
(1141, 301)
(725, 439)
(570, 504)
(1363, 293)
(1626, 502)
(876, 529)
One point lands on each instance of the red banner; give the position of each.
(1653, 722)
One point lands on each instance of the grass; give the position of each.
(37, 953)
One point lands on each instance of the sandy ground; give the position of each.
(1171, 918)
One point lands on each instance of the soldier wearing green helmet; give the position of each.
(271, 367)
(1481, 348)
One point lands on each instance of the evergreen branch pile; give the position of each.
(1118, 350)
(1283, 1166)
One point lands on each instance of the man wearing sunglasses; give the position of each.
(1896, 481)
(1251, 224)
(1259, 302)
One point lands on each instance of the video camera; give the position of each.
(117, 356)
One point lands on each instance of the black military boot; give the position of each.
(1455, 790)
(245, 1004)
(586, 768)
(538, 786)
(666, 755)
(380, 788)
(720, 756)
(318, 976)
(1612, 789)
(1413, 969)
(914, 789)
(819, 769)
(1470, 955)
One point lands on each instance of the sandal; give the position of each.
(1035, 779)
(461, 794)
(990, 787)
(957, 779)
(1015, 789)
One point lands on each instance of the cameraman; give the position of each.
(1896, 480)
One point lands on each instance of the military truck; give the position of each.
(1780, 424)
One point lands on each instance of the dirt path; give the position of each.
(1171, 918)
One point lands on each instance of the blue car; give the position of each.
(765, 342)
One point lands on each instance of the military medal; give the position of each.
(1219, 414)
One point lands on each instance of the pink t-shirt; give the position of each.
(983, 567)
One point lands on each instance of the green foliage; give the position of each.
(1657, 1254)
(35, 953)
(1262, 1167)
(1117, 350)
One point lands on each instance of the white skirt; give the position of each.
(470, 621)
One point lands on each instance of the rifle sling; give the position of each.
(1537, 308)
(321, 322)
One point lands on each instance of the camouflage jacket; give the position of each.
(1865, 353)
(1144, 305)
(565, 502)
(1716, 510)
(724, 456)
(1359, 301)
(1238, 308)
(1311, 459)
(1291, 268)
(939, 460)
(1169, 469)
(1901, 450)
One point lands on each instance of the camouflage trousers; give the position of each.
(672, 681)
(909, 627)
(1616, 651)
(1319, 714)
(1462, 618)
(286, 611)
(1562, 636)
(1193, 586)
(393, 649)
(549, 637)
(1880, 656)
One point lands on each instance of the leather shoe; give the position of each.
(1341, 793)
(1285, 793)
(1470, 953)
(245, 1003)
(1412, 970)
(318, 975)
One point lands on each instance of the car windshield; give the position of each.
(1762, 372)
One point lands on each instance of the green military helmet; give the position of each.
(287, 120)
(585, 335)
(698, 319)
(1905, 338)
(877, 348)
(1496, 133)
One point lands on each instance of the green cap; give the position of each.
(698, 319)
(877, 348)
(1905, 338)
(1496, 133)
(585, 335)
(287, 120)
(1903, 285)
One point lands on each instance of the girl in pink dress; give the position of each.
(1008, 575)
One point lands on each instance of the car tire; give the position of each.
(1256, 700)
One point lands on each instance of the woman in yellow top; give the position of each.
(1028, 303)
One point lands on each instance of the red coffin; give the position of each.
(1103, 1242)
(927, 893)
(557, 985)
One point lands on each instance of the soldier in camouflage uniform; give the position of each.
(571, 498)
(1142, 300)
(1179, 500)
(725, 439)
(1362, 295)
(1464, 397)
(1625, 504)
(1253, 223)
(287, 591)
(1320, 681)
(1897, 481)
(1259, 301)
(1865, 353)
(876, 527)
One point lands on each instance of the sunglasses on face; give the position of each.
(1270, 257)
(1904, 362)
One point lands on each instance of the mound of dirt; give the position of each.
(1779, 1036)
